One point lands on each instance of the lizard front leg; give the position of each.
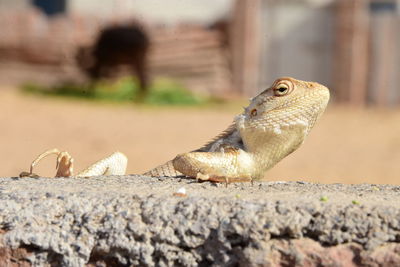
(235, 165)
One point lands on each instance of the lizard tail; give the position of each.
(166, 169)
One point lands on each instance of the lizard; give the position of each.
(273, 125)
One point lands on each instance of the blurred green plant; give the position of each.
(163, 91)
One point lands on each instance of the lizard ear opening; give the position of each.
(253, 112)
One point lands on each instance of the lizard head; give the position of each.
(286, 101)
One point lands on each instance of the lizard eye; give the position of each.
(253, 112)
(281, 89)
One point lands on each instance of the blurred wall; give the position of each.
(367, 60)
(156, 11)
(191, 53)
(297, 40)
(20, 4)
(384, 52)
(350, 46)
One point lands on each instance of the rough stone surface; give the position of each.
(139, 221)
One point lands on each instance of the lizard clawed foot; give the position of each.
(221, 179)
(28, 174)
(64, 165)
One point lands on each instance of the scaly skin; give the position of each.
(274, 125)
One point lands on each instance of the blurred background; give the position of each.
(154, 78)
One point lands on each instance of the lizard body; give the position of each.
(272, 126)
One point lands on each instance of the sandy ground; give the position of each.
(347, 145)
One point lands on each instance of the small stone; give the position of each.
(181, 192)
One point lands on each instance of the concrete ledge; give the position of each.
(139, 221)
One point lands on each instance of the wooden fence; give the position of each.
(191, 54)
(367, 65)
(351, 46)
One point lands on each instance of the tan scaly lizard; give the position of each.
(274, 125)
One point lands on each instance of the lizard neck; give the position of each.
(268, 148)
(270, 140)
